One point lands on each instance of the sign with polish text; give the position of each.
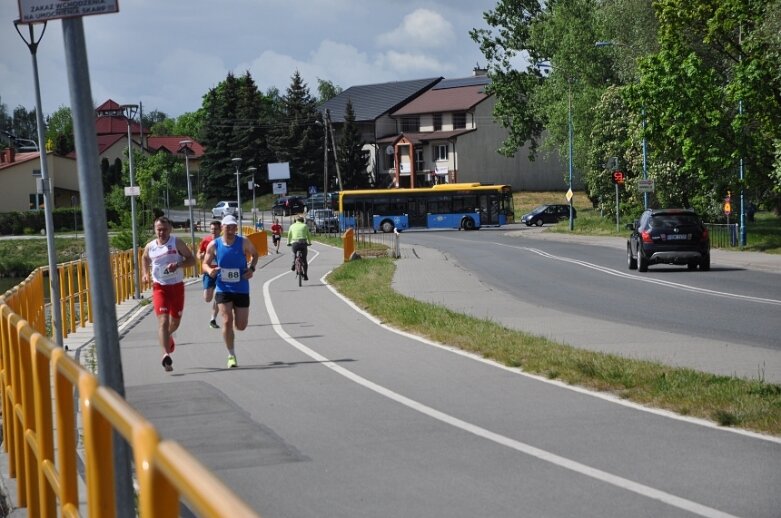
(34, 11)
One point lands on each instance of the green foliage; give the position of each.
(704, 76)
(235, 121)
(59, 131)
(298, 137)
(327, 90)
(352, 158)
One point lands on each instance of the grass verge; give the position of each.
(753, 405)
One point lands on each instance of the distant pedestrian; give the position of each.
(209, 283)
(164, 260)
(276, 234)
(226, 261)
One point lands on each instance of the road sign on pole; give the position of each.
(645, 185)
(35, 11)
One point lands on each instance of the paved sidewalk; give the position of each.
(432, 276)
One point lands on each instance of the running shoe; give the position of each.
(232, 361)
(213, 324)
(171, 343)
(168, 363)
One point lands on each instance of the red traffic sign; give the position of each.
(618, 177)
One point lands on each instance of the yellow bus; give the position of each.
(467, 206)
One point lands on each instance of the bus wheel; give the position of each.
(387, 226)
(468, 224)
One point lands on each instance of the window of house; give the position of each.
(440, 152)
(437, 121)
(459, 120)
(420, 163)
(410, 124)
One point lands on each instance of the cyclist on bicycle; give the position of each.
(299, 237)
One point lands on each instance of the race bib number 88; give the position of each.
(230, 275)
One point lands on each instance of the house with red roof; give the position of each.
(18, 170)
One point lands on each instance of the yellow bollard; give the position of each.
(348, 243)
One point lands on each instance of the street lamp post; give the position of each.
(569, 132)
(254, 210)
(186, 149)
(48, 202)
(130, 111)
(237, 162)
(549, 66)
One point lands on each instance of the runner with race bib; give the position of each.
(226, 261)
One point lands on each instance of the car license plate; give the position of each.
(677, 237)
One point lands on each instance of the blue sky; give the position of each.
(168, 53)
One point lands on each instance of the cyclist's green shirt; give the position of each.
(297, 232)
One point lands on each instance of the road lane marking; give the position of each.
(650, 280)
(546, 456)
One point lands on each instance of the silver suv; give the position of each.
(225, 208)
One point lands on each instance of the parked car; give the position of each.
(322, 220)
(669, 236)
(315, 201)
(225, 208)
(547, 214)
(288, 205)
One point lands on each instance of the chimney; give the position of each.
(9, 155)
(478, 71)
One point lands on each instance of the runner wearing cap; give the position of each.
(226, 261)
(164, 259)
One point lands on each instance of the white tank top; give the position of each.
(162, 256)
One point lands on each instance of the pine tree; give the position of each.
(298, 136)
(352, 157)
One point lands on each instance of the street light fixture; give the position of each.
(253, 169)
(130, 111)
(48, 201)
(186, 149)
(611, 43)
(237, 162)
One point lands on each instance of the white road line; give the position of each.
(650, 280)
(543, 455)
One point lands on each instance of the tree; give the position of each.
(59, 131)
(298, 136)
(352, 158)
(327, 90)
(234, 122)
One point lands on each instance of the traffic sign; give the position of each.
(35, 11)
(618, 177)
(569, 195)
(727, 207)
(189, 202)
(133, 191)
(645, 185)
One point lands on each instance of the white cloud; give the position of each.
(168, 57)
(421, 28)
(406, 63)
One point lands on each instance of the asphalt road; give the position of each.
(333, 414)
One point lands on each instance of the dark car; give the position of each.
(322, 220)
(547, 214)
(287, 206)
(315, 201)
(668, 236)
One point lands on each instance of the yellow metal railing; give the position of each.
(38, 383)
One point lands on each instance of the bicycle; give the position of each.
(299, 262)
